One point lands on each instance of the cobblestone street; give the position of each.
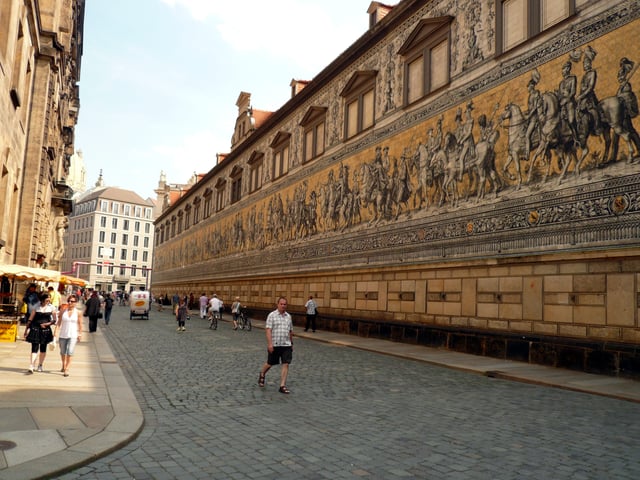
(350, 414)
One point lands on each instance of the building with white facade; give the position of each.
(110, 239)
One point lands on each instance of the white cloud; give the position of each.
(300, 31)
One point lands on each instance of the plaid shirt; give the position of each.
(280, 326)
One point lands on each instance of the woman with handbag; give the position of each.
(38, 331)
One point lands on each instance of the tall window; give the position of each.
(313, 124)
(101, 236)
(125, 239)
(103, 222)
(519, 20)
(136, 226)
(426, 58)
(280, 146)
(221, 186)
(123, 254)
(236, 184)
(114, 223)
(113, 237)
(359, 100)
(208, 194)
(256, 171)
(125, 224)
(187, 219)
(197, 211)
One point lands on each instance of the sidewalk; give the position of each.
(50, 424)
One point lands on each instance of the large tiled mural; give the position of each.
(545, 140)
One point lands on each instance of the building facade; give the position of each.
(110, 239)
(40, 54)
(465, 175)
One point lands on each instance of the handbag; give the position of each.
(100, 315)
(24, 308)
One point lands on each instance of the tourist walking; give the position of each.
(235, 311)
(182, 313)
(312, 311)
(204, 301)
(279, 332)
(92, 310)
(38, 331)
(108, 306)
(69, 332)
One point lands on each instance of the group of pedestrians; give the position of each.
(49, 323)
(52, 323)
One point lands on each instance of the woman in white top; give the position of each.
(69, 332)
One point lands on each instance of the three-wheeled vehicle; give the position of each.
(140, 304)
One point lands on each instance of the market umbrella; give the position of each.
(20, 272)
(69, 280)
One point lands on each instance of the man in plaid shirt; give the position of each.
(279, 331)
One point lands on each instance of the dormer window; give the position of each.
(236, 184)
(519, 20)
(280, 146)
(359, 100)
(313, 123)
(256, 170)
(221, 186)
(426, 54)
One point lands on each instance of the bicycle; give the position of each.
(244, 322)
(213, 320)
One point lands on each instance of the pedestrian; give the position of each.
(235, 310)
(312, 311)
(69, 331)
(32, 300)
(175, 300)
(182, 312)
(279, 331)
(204, 301)
(92, 310)
(55, 297)
(38, 331)
(108, 306)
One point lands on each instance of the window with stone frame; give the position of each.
(519, 20)
(187, 217)
(221, 187)
(280, 154)
(313, 124)
(426, 53)
(359, 102)
(197, 210)
(236, 184)
(180, 221)
(256, 170)
(208, 202)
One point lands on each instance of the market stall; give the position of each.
(10, 311)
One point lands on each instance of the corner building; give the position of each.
(464, 176)
(40, 57)
(110, 239)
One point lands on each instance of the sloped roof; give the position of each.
(114, 193)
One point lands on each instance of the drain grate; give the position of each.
(7, 445)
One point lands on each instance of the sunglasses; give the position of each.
(72, 301)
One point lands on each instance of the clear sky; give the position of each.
(160, 78)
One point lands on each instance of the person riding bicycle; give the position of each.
(215, 305)
(235, 310)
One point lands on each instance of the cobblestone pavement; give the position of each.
(350, 414)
